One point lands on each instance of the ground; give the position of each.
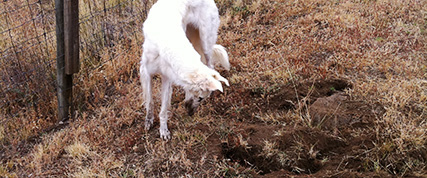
(317, 89)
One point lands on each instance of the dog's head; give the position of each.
(206, 80)
(203, 84)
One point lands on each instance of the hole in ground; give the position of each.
(299, 150)
(251, 157)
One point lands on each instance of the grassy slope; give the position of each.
(275, 47)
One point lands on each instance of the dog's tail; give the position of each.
(220, 57)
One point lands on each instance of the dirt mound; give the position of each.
(280, 98)
(328, 144)
(287, 96)
(338, 111)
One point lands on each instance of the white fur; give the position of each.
(220, 57)
(167, 51)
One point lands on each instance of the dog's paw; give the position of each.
(164, 134)
(148, 123)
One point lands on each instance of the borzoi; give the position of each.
(180, 37)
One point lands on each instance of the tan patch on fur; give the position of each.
(193, 35)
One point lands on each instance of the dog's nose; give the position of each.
(200, 99)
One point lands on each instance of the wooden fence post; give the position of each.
(67, 57)
(71, 32)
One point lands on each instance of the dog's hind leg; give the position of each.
(208, 35)
(145, 78)
(164, 111)
(208, 41)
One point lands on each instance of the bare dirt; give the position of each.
(327, 148)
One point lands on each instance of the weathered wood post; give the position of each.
(71, 32)
(67, 57)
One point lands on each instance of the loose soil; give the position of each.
(327, 148)
(324, 147)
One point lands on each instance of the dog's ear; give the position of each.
(209, 81)
(213, 84)
(221, 79)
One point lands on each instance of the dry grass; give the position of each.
(282, 52)
(27, 69)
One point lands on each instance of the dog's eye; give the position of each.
(200, 99)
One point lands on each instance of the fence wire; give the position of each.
(28, 49)
(27, 56)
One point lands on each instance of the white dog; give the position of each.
(180, 37)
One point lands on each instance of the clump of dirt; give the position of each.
(288, 96)
(337, 110)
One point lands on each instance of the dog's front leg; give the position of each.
(145, 78)
(164, 111)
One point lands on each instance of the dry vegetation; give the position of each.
(318, 88)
